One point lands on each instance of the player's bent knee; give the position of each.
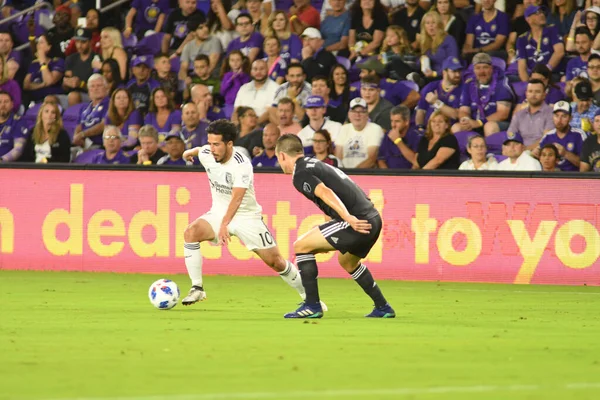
(198, 231)
(301, 247)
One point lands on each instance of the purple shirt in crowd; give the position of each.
(166, 160)
(572, 142)
(15, 56)
(262, 160)
(485, 32)
(56, 64)
(392, 90)
(255, 41)
(291, 48)
(472, 97)
(135, 118)
(147, 13)
(391, 154)
(11, 130)
(173, 119)
(448, 49)
(119, 158)
(554, 95)
(451, 98)
(231, 84)
(12, 87)
(196, 137)
(538, 53)
(93, 115)
(576, 67)
(279, 69)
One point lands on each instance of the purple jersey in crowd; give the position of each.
(166, 160)
(119, 158)
(391, 154)
(572, 142)
(197, 137)
(291, 48)
(11, 130)
(174, 119)
(148, 13)
(538, 53)
(255, 41)
(576, 67)
(231, 84)
(56, 64)
(483, 99)
(451, 98)
(135, 118)
(262, 160)
(92, 115)
(485, 32)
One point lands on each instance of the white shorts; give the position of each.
(251, 230)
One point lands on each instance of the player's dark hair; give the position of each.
(223, 127)
(289, 144)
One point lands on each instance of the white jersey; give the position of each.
(238, 173)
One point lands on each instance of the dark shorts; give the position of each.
(344, 239)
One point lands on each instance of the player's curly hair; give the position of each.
(224, 128)
(289, 144)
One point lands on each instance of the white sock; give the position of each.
(193, 262)
(292, 277)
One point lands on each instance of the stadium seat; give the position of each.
(87, 156)
(71, 118)
(494, 142)
(204, 6)
(412, 85)
(129, 42)
(463, 139)
(344, 61)
(30, 115)
(519, 88)
(175, 64)
(228, 110)
(149, 45)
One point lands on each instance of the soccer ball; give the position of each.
(164, 294)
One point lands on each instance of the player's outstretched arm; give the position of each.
(237, 195)
(190, 154)
(332, 200)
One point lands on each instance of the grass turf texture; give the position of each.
(86, 335)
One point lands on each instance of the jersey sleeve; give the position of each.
(203, 155)
(243, 176)
(306, 182)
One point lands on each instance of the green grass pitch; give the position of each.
(96, 336)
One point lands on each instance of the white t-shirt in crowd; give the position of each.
(355, 144)
(524, 163)
(307, 133)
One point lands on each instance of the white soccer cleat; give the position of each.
(194, 295)
(324, 306)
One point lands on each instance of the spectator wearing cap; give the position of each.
(62, 33)
(45, 73)
(175, 146)
(335, 28)
(203, 43)
(194, 129)
(122, 114)
(358, 142)
(162, 113)
(145, 16)
(543, 44)
(268, 158)
(486, 100)
(88, 132)
(249, 42)
(113, 153)
(296, 88)
(149, 153)
(438, 147)
(176, 31)
(487, 31)
(335, 111)
(13, 57)
(409, 18)
(285, 116)
(316, 109)
(379, 108)
(590, 150)
(517, 158)
(141, 85)
(303, 15)
(392, 90)
(399, 147)
(577, 66)
(535, 119)
(9, 85)
(259, 92)
(13, 132)
(584, 108)
(78, 68)
(568, 140)
(111, 47)
(315, 59)
(368, 23)
(92, 23)
(443, 95)
(436, 45)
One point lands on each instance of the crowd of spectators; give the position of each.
(508, 85)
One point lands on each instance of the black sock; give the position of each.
(363, 277)
(307, 265)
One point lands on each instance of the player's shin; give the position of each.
(363, 277)
(307, 264)
(193, 262)
(291, 276)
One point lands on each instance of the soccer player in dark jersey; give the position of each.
(353, 230)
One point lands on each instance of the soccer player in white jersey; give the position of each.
(234, 211)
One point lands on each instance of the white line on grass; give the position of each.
(442, 289)
(353, 392)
